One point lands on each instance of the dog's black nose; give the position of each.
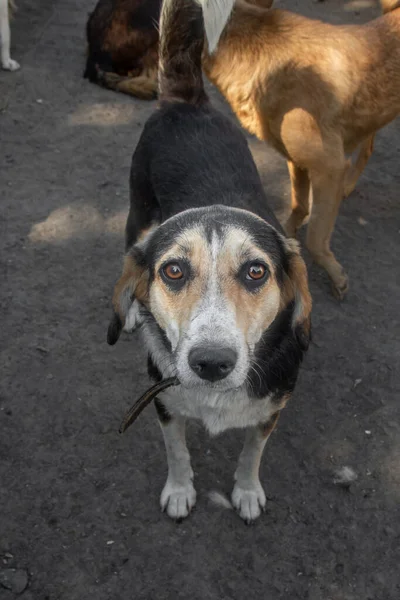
(212, 364)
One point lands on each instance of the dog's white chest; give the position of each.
(218, 410)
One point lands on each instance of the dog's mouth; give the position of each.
(144, 400)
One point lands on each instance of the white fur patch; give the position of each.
(178, 500)
(216, 14)
(133, 318)
(218, 411)
(249, 502)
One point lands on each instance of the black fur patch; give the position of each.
(153, 371)
(114, 330)
(146, 15)
(162, 412)
(277, 359)
(303, 337)
(194, 157)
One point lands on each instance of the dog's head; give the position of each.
(214, 280)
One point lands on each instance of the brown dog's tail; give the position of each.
(182, 27)
(389, 5)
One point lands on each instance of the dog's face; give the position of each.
(214, 280)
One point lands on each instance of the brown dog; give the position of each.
(315, 92)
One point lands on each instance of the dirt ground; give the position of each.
(79, 512)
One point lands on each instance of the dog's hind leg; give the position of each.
(320, 151)
(327, 187)
(248, 496)
(6, 61)
(300, 198)
(178, 496)
(353, 171)
(143, 86)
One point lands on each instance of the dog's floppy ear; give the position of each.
(296, 289)
(131, 286)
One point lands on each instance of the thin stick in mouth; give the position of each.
(144, 400)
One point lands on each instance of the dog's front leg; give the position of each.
(6, 61)
(248, 496)
(178, 496)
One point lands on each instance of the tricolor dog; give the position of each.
(219, 294)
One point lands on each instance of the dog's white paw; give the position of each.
(249, 502)
(178, 500)
(10, 65)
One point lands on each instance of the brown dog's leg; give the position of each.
(143, 86)
(353, 171)
(327, 189)
(300, 191)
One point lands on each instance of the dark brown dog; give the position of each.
(123, 41)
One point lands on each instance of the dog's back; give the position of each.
(196, 156)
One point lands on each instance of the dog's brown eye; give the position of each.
(256, 271)
(173, 271)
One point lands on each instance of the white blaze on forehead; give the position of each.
(214, 321)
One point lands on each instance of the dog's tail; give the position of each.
(182, 26)
(389, 5)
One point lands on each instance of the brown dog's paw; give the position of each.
(348, 187)
(108, 78)
(341, 287)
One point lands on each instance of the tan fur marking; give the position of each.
(268, 427)
(296, 287)
(282, 401)
(133, 281)
(167, 305)
(146, 232)
(254, 311)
